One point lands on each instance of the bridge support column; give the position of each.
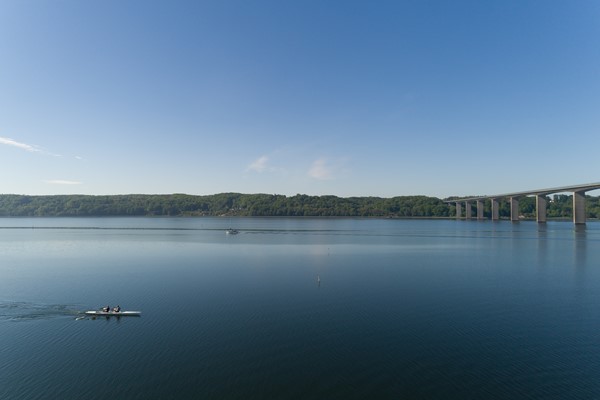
(458, 210)
(479, 209)
(495, 210)
(514, 209)
(467, 210)
(540, 208)
(579, 208)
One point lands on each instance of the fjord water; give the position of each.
(415, 309)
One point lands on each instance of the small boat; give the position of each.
(114, 313)
(232, 231)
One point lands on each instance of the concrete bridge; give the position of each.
(540, 202)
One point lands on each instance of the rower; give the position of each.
(117, 309)
(106, 309)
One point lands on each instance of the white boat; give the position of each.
(232, 231)
(114, 313)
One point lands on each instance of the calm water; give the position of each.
(404, 309)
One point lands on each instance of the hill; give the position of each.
(237, 204)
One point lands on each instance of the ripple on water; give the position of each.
(25, 311)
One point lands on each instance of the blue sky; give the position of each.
(350, 98)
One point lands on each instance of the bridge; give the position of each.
(540, 202)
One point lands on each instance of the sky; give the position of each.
(346, 98)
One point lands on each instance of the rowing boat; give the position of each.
(115, 314)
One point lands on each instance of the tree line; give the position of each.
(237, 204)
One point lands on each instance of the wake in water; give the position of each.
(24, 311)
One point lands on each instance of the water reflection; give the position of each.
(580, 245)
(542, 244)
(580, 270)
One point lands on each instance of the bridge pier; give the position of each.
(467, 210)
(514, 209)
(579, 208)
(495, 210)
(479, 209)
(458, 210)
(540, 208)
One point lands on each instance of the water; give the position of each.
(299, 309)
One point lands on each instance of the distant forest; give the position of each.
(236, 204)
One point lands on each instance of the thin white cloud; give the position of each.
(321, 170)
(61, 182)
(259, 165)
(27, 147)
(24, 146)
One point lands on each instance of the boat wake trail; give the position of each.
(24, 311)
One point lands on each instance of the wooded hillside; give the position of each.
(236, 204)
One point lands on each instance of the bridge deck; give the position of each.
(575, 188)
